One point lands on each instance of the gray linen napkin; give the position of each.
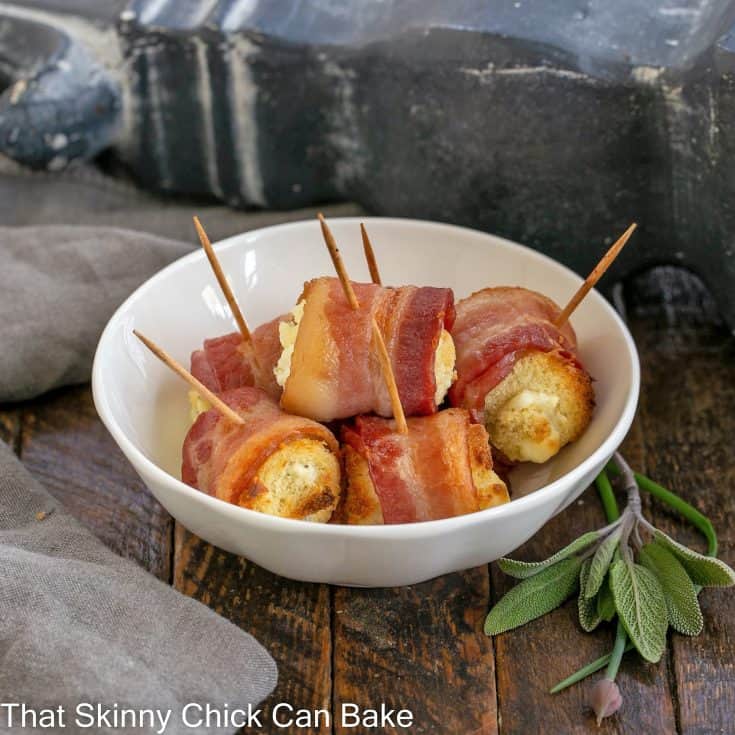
(58, 287)
(79, 624)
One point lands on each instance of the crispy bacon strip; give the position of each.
(424, 475)
(493, 329)
(222, 459)
(334, 371)
(228, 362)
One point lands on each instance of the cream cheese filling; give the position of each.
(444, 372)
(532, 424)
(287, 332)
(197, 405)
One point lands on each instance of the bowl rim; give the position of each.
(423, 529)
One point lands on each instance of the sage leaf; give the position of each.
(681, 597)
(601, 563)
(534, 597)
(589, 618)
(705, 571)
(605, 603)
(525, 569)
(641, 607)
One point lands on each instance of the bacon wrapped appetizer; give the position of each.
(231, 361)
(519, 373)
(328, 369)
(273, 463)
(441, 468)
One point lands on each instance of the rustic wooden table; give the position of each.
(422, 647)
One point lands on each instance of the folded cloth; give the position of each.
(60, 285)
(81, 625)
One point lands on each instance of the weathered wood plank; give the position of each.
(66, 446)
(688, 418)
(291, 619)
(419, 648)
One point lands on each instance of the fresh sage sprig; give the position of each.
(630, 571)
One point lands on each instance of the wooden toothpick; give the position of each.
(222, 280)
(370, 256)
(339, 266)
(164, 357)
(390, 380)
(597, 273)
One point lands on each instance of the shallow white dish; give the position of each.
(145, 406)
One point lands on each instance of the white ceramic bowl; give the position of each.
(145, 406)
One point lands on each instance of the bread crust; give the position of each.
(361, 503)
(491, 490)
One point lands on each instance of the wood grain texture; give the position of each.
(66, 446)
(291, 619)
(687, 416)
(419, 648)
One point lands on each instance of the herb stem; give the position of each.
(621, 638)
(607, 496)
(631, 486)
(637, 537)
(585, 671)
(697, 519)
(629, 521)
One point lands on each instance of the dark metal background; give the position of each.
(555, 124)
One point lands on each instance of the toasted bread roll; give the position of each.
(277, 464)
(288, 329)
(441, 468)
(545, 402)
(301, 479)
(327, 365)
(519, 373)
